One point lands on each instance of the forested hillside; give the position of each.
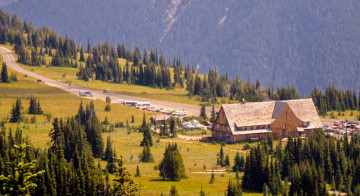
(303, 43)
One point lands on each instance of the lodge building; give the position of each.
(253, 121)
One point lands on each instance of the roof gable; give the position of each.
(264, 113)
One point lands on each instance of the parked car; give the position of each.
(207, 123)
(106, 91)
(85, 93)
(179, 113)
(199, 126)
(337, 123)
(188, 126)
(119, 102)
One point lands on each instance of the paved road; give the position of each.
(8, 57)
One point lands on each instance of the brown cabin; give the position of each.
(253, 121)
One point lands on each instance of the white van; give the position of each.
(85, 93)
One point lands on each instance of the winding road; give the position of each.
(8, 56)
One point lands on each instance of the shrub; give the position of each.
(107, 108)
(246, 146)
(108, 99)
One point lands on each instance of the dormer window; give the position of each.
(305, 124)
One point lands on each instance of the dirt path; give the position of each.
(8, 56)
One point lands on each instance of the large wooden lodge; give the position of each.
(253, 121)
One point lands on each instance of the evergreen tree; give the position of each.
(108, 149)
(173, 191)
(34, 107)
(172, 165)
(22, 179)
(227, 161)
(16, 112)
(212, 178)
(203, 111)
(146, 156)
(124, 184)
(239, 163)
(172, 127)
(213, 115)
(137, 171)
(147, 139)
(82, 57)
(202, 193)
(4, 74)
(221, 157)
(111, 163)
(233, 189)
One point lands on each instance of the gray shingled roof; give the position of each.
(305, 110)
(264, 113)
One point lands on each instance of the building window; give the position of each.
(279, 134)
(217, 125)
(254, 127)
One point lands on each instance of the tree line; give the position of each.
(304, 166)
(150, 68)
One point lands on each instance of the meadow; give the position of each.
(68, 74)
(197, 156)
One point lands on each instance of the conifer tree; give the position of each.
(220, 159)
(203, 112)
(172, 127)
(108, 149)
(233, 189)
(34, 107)
(147, 139)
(202, 193)
(146, 156)
(4, 74)
(137, 171)
(213, 115)
(124, 184)
(82, 57)
(16, 112)
(212, 178)
(172, 165)
(239, 163)
(227, 161)
(22, 179)
(111, 166)
(173, 191)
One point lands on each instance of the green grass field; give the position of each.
(196, 155)
(348, 115)
(66, 74)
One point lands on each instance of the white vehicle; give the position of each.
(194, 122)
(130, 103)
(152, 109)
(189, 126)
(142, 104)
(199, 126)
(119, 102)
(177, 113)
(85, 93)
(106, 91)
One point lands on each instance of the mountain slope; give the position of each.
(306, 43)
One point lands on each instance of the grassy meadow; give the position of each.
(351, 115)
(66, 74)
(197, 156)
